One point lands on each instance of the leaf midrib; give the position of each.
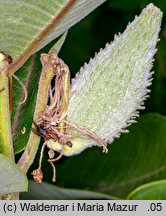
(37, 40)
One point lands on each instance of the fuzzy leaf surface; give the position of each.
(12, 179)
(27, 26)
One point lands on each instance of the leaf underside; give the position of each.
(27, 26)
(46, 191)
(12, 179)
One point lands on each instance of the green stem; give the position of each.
(33, 142)
(5, 125)
(6, 144)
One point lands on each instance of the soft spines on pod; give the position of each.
(108, 91)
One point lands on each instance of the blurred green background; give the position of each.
(135, 167)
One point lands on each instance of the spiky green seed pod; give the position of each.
(108, 91)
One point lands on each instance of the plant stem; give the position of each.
(42, 96)
(5, 125)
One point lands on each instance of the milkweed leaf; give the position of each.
(27, 26)
(12, 179)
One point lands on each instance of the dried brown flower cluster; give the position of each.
(52, 123)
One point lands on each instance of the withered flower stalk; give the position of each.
(52, 122)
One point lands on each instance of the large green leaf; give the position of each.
(12, 179)
(152, 191)
(27, 26)
(136, 158)
(46, 191)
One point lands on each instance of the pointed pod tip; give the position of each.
(152, 7)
